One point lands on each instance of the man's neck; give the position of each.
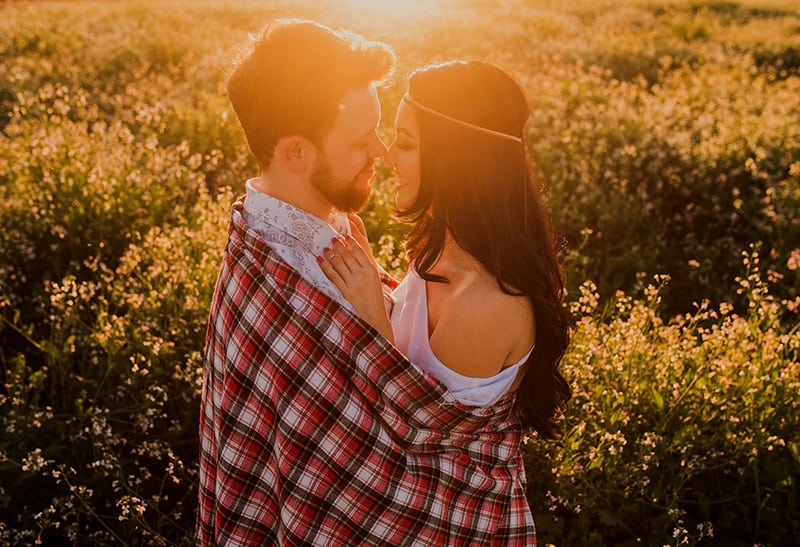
(295, 192)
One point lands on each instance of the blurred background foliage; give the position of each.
(666, 136)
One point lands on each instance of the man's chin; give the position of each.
(360, 199)
(354, 202)
(357, 194)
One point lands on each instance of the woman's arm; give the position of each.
(355, 273)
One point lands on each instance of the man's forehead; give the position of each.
(359, 110)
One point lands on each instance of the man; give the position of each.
(307, 101)
(314, 429)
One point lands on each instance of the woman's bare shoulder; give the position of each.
(483, 329)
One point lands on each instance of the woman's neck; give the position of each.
(455, 262)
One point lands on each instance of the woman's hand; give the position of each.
(359, 232)
(355, 274)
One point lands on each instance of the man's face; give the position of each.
(344, 168)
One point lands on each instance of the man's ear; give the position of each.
(296, 153)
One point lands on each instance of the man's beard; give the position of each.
(344, 196)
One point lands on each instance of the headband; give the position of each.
(500, 134)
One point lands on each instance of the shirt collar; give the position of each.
(311, 232)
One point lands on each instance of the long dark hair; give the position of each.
(480, 188)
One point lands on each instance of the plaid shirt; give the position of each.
(314, 430)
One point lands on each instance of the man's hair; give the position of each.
(293, 79)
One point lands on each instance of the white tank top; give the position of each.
(410, 327)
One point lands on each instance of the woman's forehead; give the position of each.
(406, 119)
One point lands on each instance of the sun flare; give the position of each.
(397, 8)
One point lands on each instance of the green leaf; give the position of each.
(657, 398)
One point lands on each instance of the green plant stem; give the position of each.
(756, 477)
(22, 333)
(89, 508)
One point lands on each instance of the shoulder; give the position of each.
(481, 329)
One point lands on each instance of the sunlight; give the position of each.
(397, 8)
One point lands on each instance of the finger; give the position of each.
(335, 261)
(344, 259)
(362, 254)
(339, 262)
(351, 251)
(328, 269)
(357, 225)
(359, 232)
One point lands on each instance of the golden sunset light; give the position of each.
(397, 8)
(198, 347)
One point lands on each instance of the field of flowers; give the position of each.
(667, 134)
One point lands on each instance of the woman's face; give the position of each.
(403, 155)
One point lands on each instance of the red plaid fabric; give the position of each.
(316, 431)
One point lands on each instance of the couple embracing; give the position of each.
(341, 406)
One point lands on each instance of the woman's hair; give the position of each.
(479, 187)
(294, 77)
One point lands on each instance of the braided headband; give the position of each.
(411, 100)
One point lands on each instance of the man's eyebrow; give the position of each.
(406, 132)
(367, 134)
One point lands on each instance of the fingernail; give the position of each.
(320, 259)
(334, 240)
(326, 250)
(347, 237)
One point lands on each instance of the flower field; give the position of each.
(666, 134)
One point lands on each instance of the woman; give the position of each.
(481, 307)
